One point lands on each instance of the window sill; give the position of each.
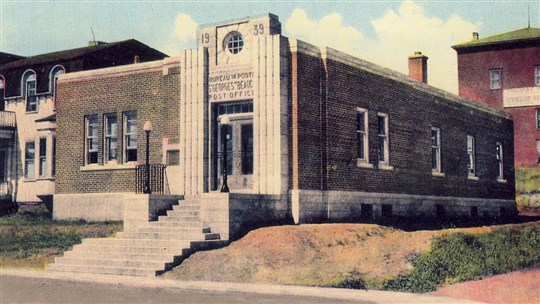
(362, 163)
(437, 174)
(45, 178)
(474, 178)
(502, 181)
(128, 166)
(383, 166)
(32, 112)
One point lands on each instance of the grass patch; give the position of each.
(31, 239)
(460, 257)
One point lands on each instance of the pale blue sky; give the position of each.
(34, 27)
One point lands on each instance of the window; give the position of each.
(234, 42)
(30, 93)
(436, 150)
(247, 149)
(499, 151)
(130, 137)
(2, 104)
(55, 73)
(173, 158)
(111, 138)
(537, 75)
(29, 155)
(42, 157)
(538, 119)
(53, 162)
(382, 122)
(471, 166)
(362, 134)
(495, 79)
(91, 139)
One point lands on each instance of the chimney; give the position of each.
(475, 36)
(136, 59)
(418, 67)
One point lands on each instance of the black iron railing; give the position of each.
(7, 119)
(157, 178)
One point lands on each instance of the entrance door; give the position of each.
(239, 160)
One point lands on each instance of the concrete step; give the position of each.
(193, 220)
(187, 207)
(104, 261)
(183, 213)
(78, 254)
(196, 236)
(157, 228)
(141, 272)
(130, 249)
(127, 242)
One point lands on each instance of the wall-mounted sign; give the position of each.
(230, 86)
(521, 97)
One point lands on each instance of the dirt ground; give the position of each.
(515, 287)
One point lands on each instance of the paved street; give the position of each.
(42, 287)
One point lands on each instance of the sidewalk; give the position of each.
(157, 282)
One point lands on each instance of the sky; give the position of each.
(384, 32)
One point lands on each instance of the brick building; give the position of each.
(503, 72)
(28, 111)
(310, 134)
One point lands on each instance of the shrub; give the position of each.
(459, 257)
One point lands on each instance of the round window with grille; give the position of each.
(234, 43)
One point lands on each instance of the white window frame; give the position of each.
(43, 163)
(128, 135)
(471, 155)
(500, 161)
(110, 134)
(30, 93)
(436, 148)
(364, 135)
(384, 140)
(91, 142)
(537, 75)
(29, 160)
(495, 83)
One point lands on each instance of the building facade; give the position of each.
(304, 134)
(28, 107)
(503, 72)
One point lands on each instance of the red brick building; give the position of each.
(311, 134)
(503, 72)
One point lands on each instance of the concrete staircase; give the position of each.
(147, 250)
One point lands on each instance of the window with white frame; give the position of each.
(91, 141)
(538, 119)
(43, 157)
(55, 73)
(362, 134)
(382, 123)
(130, 137)
(29, 159)
(436, 150)
(30, 93)
(471, 166)
(537, 75)
(499, 151)
(2, 103)
(495, 79)
(111, 138)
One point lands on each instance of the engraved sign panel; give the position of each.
(521, 97)
(230, 85)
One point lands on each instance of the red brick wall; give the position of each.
(154, 97)
(526, 134)
(517, 71)
(412, 112)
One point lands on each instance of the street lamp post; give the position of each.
(147, 129)
(225, 121)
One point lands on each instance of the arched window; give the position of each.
(29, 91)
(56, 71)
